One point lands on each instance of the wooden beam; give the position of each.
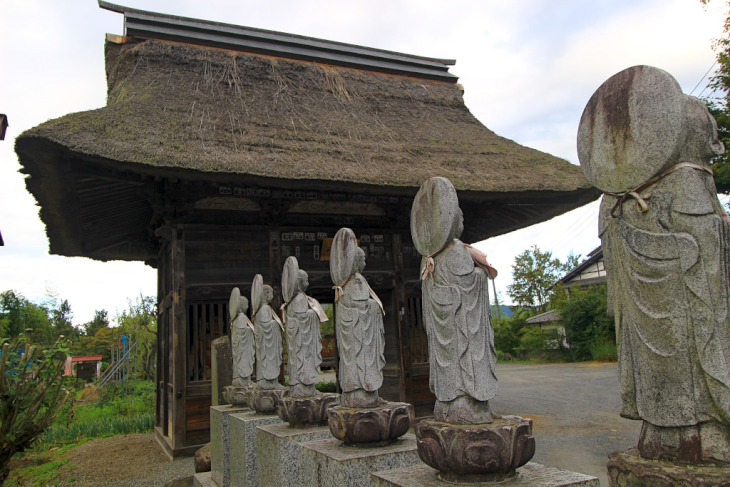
(178, 346)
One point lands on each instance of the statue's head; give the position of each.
(637, 125)
(700, 129)
(237, 303)
(436, 218)
(303, 281)
(268, 294)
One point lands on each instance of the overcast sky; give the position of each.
(528, 68)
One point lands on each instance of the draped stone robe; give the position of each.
(668, 282)
(244, 348)
(268, 344)
(304, 342)
(460, 334)
(360, 337)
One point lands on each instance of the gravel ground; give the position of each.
(128, 460)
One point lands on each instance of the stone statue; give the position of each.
(302, 316)
(360, 332)
(242, 340)
(455, 309)
(666, 244)
(464, 441)
(268, 329)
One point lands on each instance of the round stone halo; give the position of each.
(632, 129)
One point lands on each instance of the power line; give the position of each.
(702, 79)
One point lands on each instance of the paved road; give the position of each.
(575, 412)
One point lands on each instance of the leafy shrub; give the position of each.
(31, 392)
(604, 352)
(587, 325)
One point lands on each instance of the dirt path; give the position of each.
(127, 460)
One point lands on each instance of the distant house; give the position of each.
(83, 367)
(589, 272)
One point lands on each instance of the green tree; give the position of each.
(61, 316)
(98, 344)
(719, 103)
(588, 328)
(101, 320)
(508, 330)
(31, 388)
(140, 323)
(533, 273)
(18, 315)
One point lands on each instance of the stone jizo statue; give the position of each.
(243, 342)
(455, 309)
(666, 244)
(302, 316)
(360, 332)
(268, 329)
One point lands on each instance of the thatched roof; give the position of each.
(178, 106)
(199, 112)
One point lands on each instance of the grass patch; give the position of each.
(95, 428)
(604, 352)
(38, 469)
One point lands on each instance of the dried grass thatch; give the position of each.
(181, 106)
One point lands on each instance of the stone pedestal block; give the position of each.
(243, 453)
(476, 452)
(532, 474)
(221, 369)
(382, 424)
(203, 479)
(220, 443)
(279, 452)
(629, 469)
(330, 463)
(306, 411)
(264, 401)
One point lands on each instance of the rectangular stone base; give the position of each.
(220, 465)
(279, 452)
(203, 479)
(530, 475)
(329, 463)
(243, 452)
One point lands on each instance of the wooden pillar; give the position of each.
(178, 345)
(401, 304)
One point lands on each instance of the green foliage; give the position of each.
(140, 323)
(507, 332)
(533, 273)
(604, 352)
(719, 105)
(18, 315)
(120, 409)
(589, 330)
(42, 323)
(533, 339)
(98, 344)
(32, 392)
(326, 386)
(327, 329)
(100, 321)
(98, 428)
